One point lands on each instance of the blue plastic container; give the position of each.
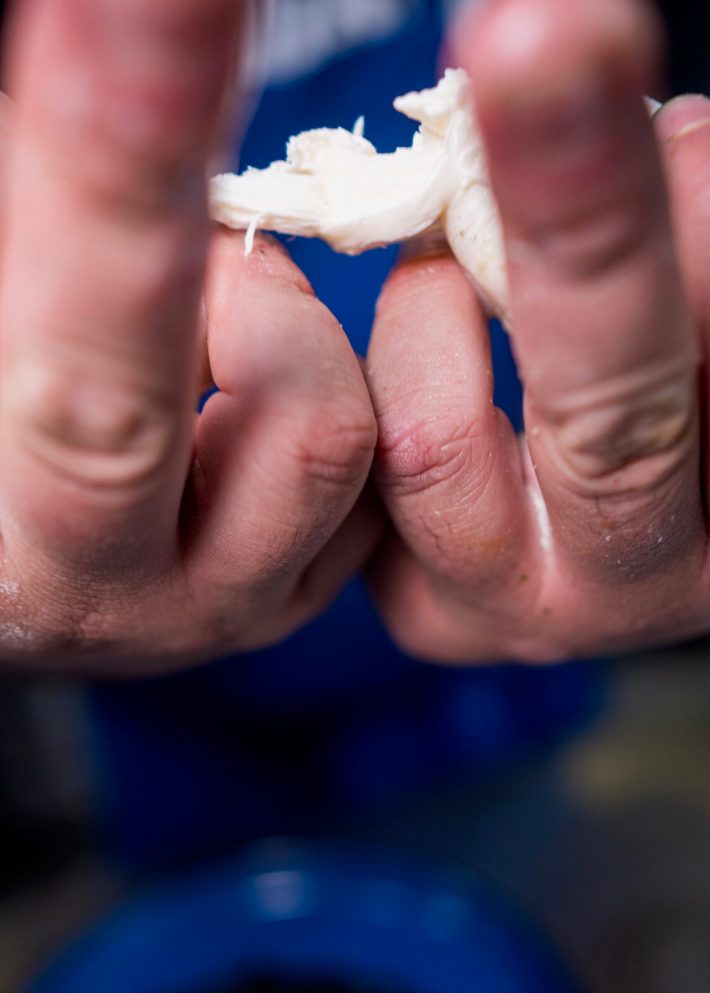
(303, 915)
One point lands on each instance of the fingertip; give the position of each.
(515, 48)
(267, 261)
(425, 280)
(682, 115)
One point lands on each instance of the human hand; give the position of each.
(590, 534)
(137, 535)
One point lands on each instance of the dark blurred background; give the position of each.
(688, 27)
(582, 791)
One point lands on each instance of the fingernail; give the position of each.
(690, 128)
(427, 245)
(682, 115)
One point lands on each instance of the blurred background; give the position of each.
(581, 792)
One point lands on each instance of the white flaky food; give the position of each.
(334, 185)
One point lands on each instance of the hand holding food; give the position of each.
(590, 533)
(333, 185)
(137, 535)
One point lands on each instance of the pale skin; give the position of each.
(138, 536)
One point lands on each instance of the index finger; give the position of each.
(105, 244)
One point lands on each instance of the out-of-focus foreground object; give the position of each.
(287, 918)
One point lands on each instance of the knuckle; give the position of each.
(427, 453)
(627, 437)
(335, 445)
(98, 436)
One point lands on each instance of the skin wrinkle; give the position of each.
(629, 386)
(480, 554)
(339, 454)
(425, 454)
(465, 556)
(614, 445)
(621, 435)
(624, 489)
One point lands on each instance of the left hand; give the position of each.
(591, 533)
